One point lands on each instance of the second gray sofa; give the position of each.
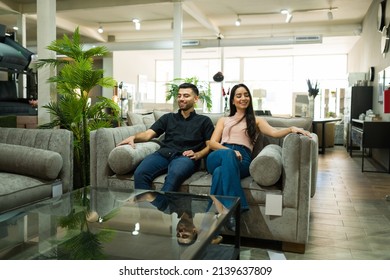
(33, 164)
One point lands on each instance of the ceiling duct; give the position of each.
(261, 41)
(190, 43)
(312, 39)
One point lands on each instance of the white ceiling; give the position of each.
(262, 24)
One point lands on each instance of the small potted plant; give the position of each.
(313, 91)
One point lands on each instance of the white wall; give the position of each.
(367, 53)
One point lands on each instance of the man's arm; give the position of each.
(139, 137)
(198, 155)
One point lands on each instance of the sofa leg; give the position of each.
(293, 247)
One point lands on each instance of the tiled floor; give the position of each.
(350, 216)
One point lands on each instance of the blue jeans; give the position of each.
(177, 167)
(228, 171)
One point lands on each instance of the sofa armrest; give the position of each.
(102, 142)
(299, 170)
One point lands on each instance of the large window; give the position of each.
(280, 77)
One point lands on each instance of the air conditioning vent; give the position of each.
(190, 43)
(308, 39)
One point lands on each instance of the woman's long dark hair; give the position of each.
(249, 115)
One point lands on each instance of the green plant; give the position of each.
(75, 79)
(204, 90)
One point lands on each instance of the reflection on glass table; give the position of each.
(105, 224)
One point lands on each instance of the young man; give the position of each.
(185, 143)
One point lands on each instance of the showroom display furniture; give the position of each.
(290, 164)
(34, 163)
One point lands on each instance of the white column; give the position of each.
(21, 39)
(108, 68)
(46, 33)
(177, 38)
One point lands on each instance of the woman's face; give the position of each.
(241, 98)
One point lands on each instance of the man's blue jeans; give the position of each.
(178, 169)
(227, 172)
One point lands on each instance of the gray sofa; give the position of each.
(286, 167)
(34, 165)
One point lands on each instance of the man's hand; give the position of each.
(128, 141)
(191, 154)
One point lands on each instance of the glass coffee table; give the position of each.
(105, 224)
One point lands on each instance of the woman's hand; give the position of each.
(300, 131)
(238, 155)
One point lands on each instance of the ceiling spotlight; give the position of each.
(238, 21)
(100, 29)
(284, 12)
(137, 23)
(330, 15)
(289, 18)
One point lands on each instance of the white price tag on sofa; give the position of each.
(273, 204)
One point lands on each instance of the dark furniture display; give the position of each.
(370, 134)
(358, 100)
(14, 62)
(117, 225)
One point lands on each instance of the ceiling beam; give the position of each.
(71, 26)
(190, 8)
(9, 6)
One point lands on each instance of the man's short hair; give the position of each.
(191, 86)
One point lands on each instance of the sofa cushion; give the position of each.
(124, 159)
(134, 119)
(214, 117)
(29, 161)
(266, 167)
(157, 114)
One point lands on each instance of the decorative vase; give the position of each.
(311, 107)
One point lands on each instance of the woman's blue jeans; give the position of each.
(228, 171)
(178, 169)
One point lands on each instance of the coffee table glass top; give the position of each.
(106, 224)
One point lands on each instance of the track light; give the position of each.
(288, 15)
(100, 29)
(330, 15)
(137, 23)
(238, 21)
(289, 18)
(284, 12)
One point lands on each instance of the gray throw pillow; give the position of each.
(30, 161)
(124, 159)
(266, 167)
(134, 119)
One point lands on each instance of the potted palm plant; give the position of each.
(204, 90)
(76, 77)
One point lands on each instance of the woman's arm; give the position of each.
(269, 130)
(215, 140)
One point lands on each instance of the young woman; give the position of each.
(232, 144)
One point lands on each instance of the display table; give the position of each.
(322, 122)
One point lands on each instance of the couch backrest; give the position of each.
(277, 122)
(56, 140)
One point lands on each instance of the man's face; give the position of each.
(185, 231)
(186, 99)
